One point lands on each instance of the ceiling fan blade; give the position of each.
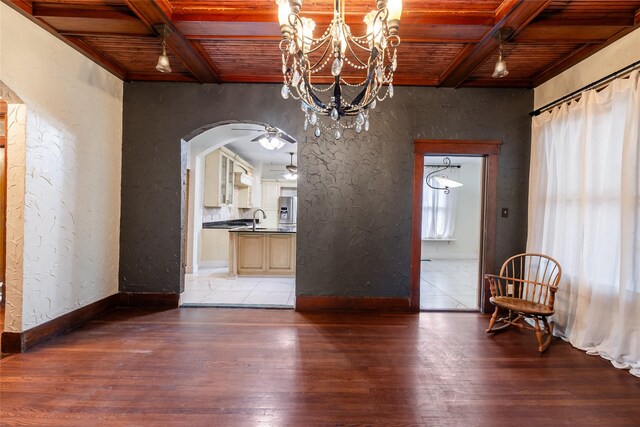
(258, 137)
(287, 138)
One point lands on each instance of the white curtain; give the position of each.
(584, 210)
(438, 208)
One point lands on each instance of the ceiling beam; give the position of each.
(152, 13)
(23, 5)
(513, 14)
(88, 12)
(102, 34)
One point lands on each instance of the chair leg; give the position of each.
(494, 317)
(549, 330)
(539, 334)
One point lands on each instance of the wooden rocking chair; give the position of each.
(526, 288)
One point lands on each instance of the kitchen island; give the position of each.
(263, 252)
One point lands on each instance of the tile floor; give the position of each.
(212, 287)
(449, 284)
(445, 285)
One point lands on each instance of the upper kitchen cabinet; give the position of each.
(218, 178)
(227, 180)
(244, 183)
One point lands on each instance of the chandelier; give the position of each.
(346, 102)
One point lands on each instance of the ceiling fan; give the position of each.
(272, 138)
(292, 170)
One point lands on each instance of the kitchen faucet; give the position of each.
(264, 216)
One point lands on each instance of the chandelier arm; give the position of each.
(295, 21)
(369, 79)
(337, 95)
(394, 41)
(317, 101)
(324, 55)
(358, 99)
(319, 43)
(356, 56)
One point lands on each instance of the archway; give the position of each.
(206, 224)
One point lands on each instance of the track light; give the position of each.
(163, 60)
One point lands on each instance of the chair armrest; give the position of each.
(494, 282)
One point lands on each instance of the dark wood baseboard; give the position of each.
(18, 342)
(322, 303)
(148, 300)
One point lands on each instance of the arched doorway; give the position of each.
(229, 178)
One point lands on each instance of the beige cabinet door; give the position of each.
(215, 248)
(251, 253)
(281, 253)
(270, 194)
(213, 185)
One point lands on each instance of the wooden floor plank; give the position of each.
(237, 367)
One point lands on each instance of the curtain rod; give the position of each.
(576, 93)
(441, 165)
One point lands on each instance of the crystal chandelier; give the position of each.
(346, 102)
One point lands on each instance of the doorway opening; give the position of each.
(488, 152)
(3, 207)
(232, 181)
(451, 224)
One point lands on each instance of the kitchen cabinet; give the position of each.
(244, 195)
(270, 195)
(262, 254)
(214, 247)
(251, 251)
(219, 179)
(280, 253)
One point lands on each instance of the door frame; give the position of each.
(490, 151)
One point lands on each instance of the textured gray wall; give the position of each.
(355, 195)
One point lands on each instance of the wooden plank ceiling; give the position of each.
(449, 43)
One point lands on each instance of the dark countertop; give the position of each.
(287, 230)
(231, 223)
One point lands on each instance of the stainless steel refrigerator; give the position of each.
(287, 210)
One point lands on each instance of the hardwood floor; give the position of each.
(241, 367)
